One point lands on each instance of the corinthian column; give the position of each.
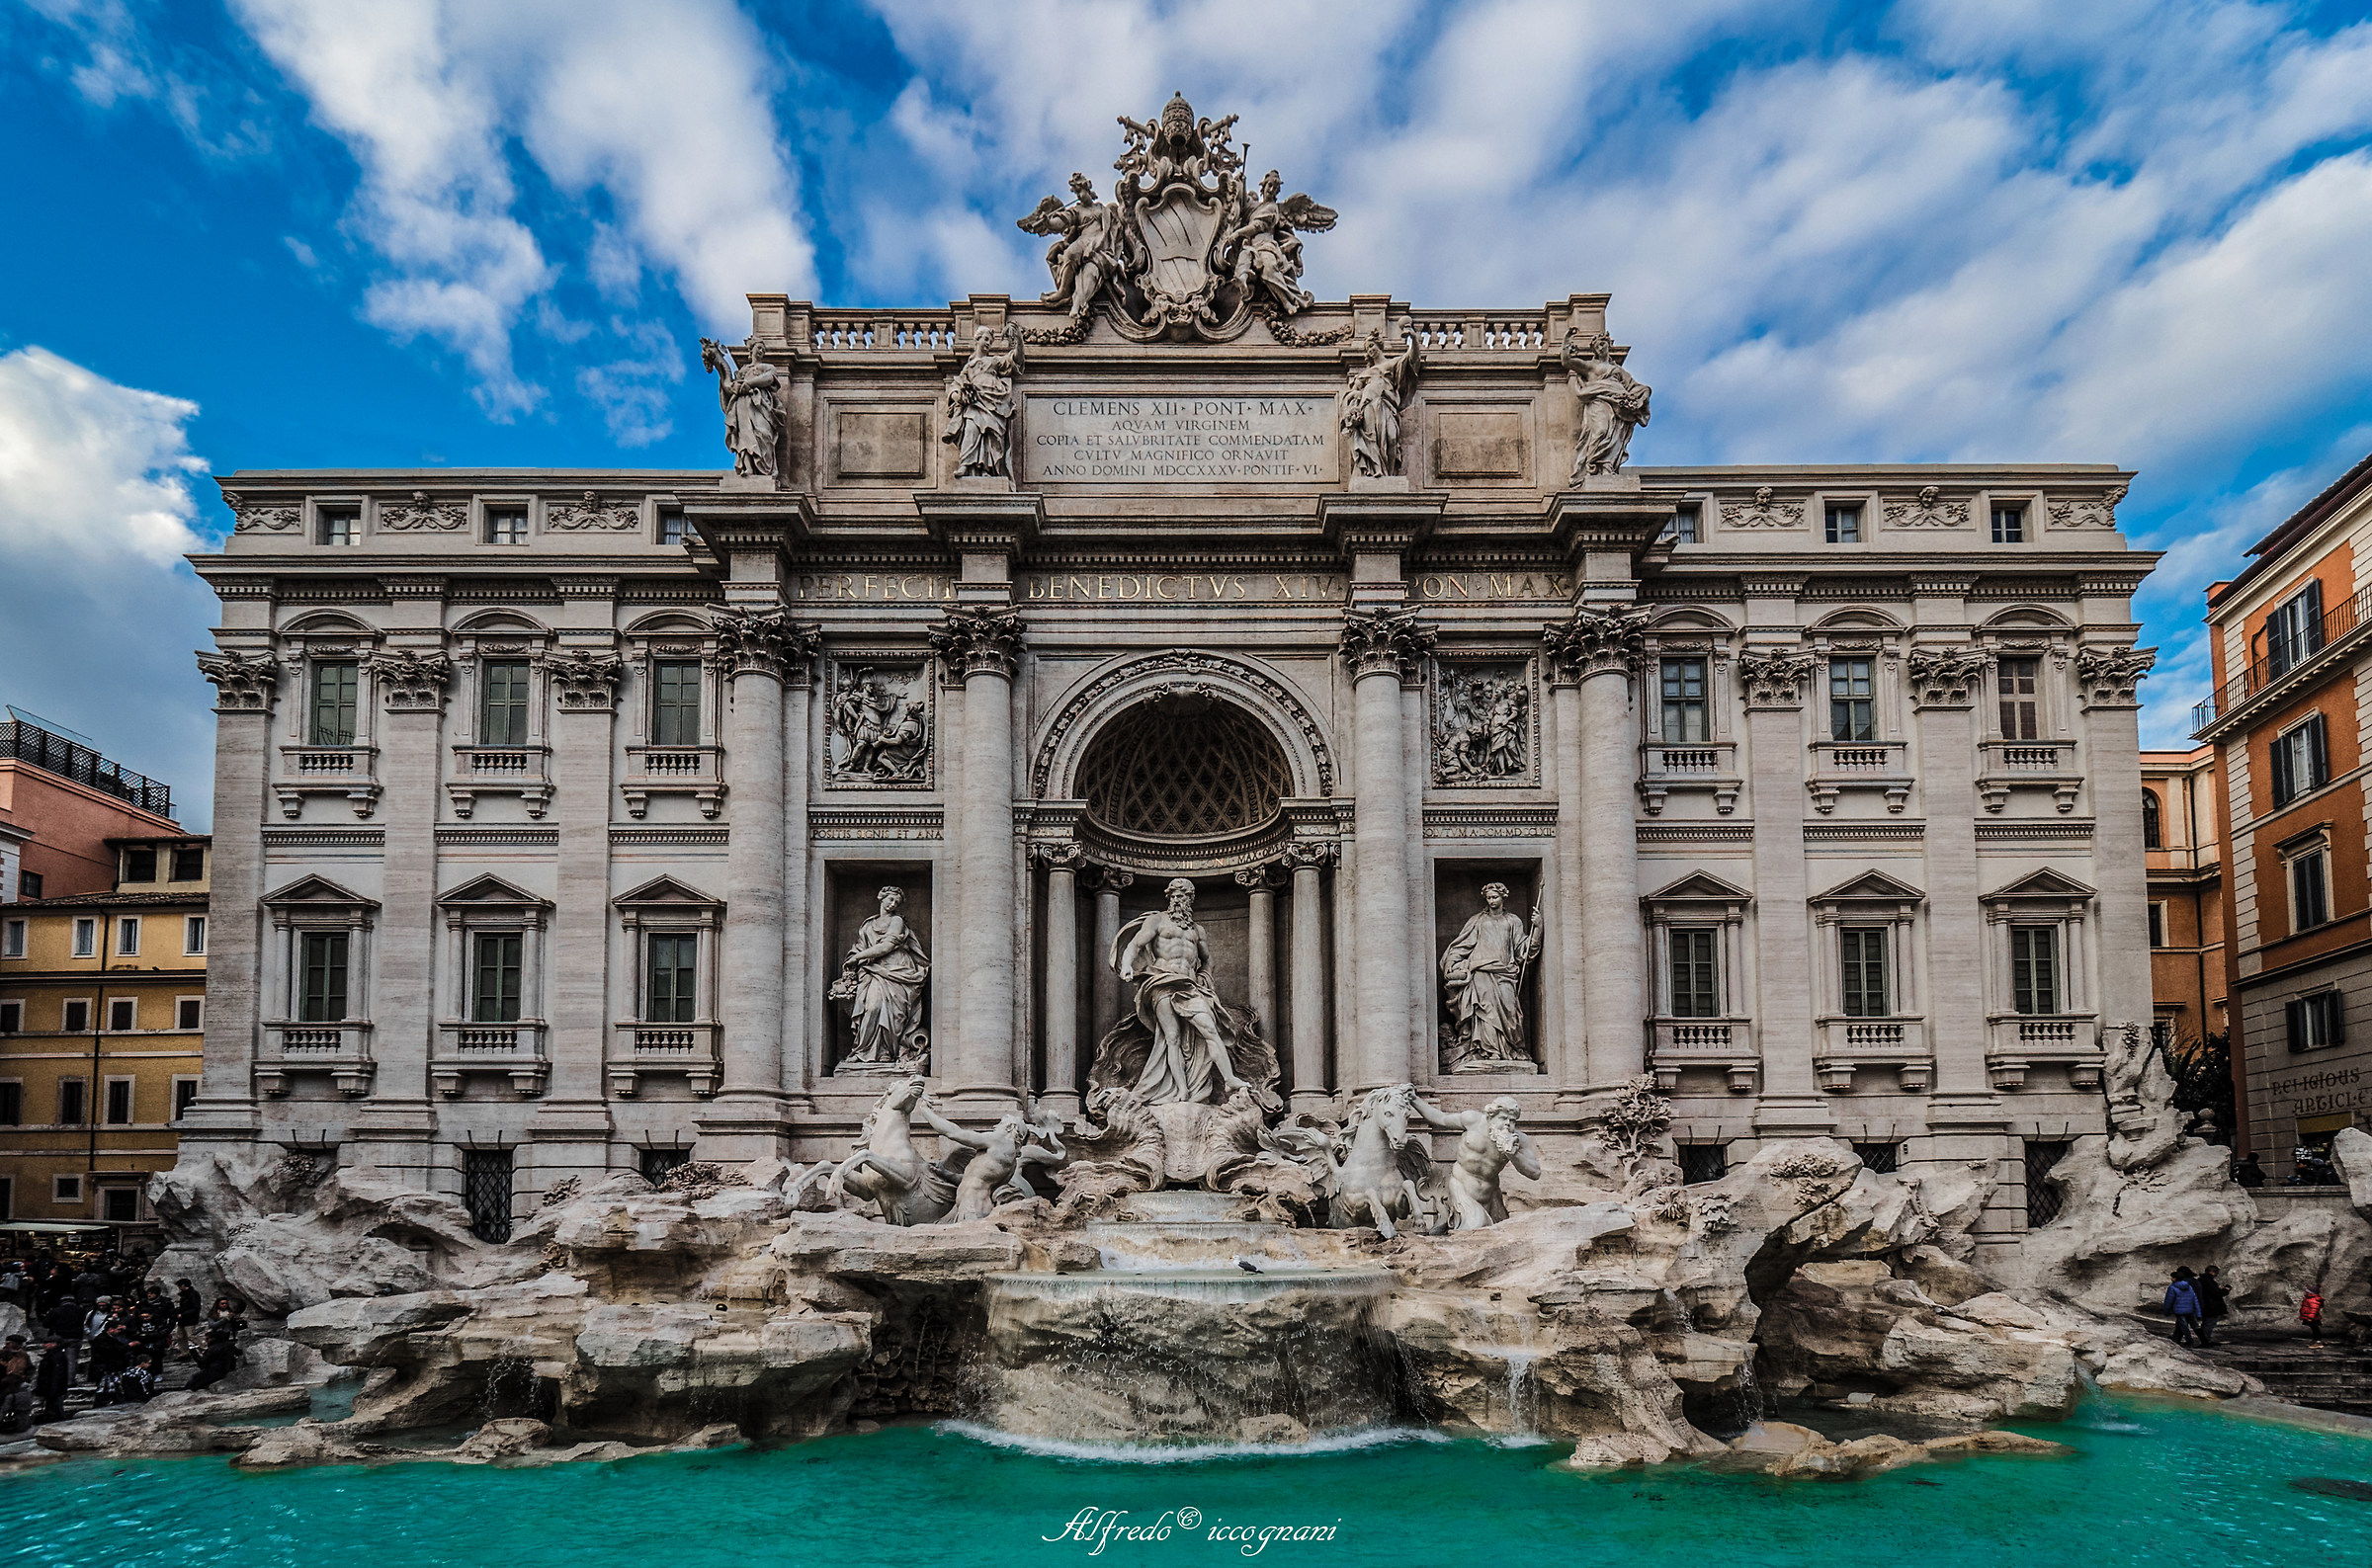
(1944, 685)
(1110, 882)
(985, 645)
(237, 994)
(759, 648)
(1309, 977)
(1600, 650)
(1784, 1008)
(1382, 647)
(1062, 862)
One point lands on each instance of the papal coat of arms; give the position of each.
(1187, 248)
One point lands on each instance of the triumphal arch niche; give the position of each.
(1180, 685)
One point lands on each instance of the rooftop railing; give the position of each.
(36, 747)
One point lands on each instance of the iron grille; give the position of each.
(657, 1163)
(1704, 1162)
(1879, 1159)
(2042, 1198)
(486, 1190)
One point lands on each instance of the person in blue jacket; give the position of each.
(2182, 1299)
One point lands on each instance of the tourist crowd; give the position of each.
(96, 1324)
(2198, 1302)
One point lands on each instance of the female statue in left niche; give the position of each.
(882, 980)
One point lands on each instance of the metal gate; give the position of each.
(2042, 1198)
(486, 1190)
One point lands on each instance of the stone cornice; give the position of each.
(1377, 523)
(982, 522)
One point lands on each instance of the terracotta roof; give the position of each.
(2305, 518)
(196, 895)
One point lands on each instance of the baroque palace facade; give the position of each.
(558, 812)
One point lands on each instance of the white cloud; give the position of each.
(221, 116)
(98, 614)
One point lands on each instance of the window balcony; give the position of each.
(2008, 765)
(1882, 766)
(694, 770)
(2016, 1042)
(686, 1050)
(1709, 765)
(349, 770)
(522, 771)
(1845, 1046)
(1721, 1045)
(513, 1051)
(341, 1050)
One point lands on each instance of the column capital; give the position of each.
(1775, 677)
(756, 642)
(1068, 857)
(1260, 878)
(410, 682)
(1385, 643)
(1111, 878)
(583, 680)
(2112, 677)
(245, 682)
(1605, 642)
(1309, 857)
(980, 641)
(1946, 677)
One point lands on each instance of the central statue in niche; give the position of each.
(1183, 1046)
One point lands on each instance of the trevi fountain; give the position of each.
(1182, 919)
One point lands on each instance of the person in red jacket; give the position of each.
(2310, 1313)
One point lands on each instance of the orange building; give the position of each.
(2293, 666)
(2182, 831)
(62, 806)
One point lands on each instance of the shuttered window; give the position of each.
(2020, 711)
(1864, 951)
(333, 703)
(1696, 981)
(675, 703)
(503, 704)
(495, 997)
(2034, 968)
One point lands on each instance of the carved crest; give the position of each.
(1930, 511)
(1187, 248)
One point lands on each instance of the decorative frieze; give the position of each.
(1490, 822)
(765, 643)
(1486, 724)
(423, 513)
(861, 823)
(1612, 640)
(2112, 677)
(243, 682)
(2101, 513)
(1385, 643)
(252, 519)
(984, 641)
(587, 514)
(1766, 512)
(1930, 511)
(1946, 677)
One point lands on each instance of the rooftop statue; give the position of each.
(1613, 406)
(1367, 408)
(977, 417)
(750, 395)
(1187, 248)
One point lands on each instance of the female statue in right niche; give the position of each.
(1482, 975)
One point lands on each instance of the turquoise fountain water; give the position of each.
(2158, 1484)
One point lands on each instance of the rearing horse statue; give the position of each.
(888, 1170)
(1377, 1167)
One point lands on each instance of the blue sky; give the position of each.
(288, 233)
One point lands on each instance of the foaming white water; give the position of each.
(1189, 1452)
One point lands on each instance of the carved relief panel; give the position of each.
(1485, 721)
(879, 722)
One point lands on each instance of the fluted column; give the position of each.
(1309, 976)
(1601, 650)
(1260, 939)
(985, 645)
(1382, 645)
(1568, 1057)
(1062, 1090)
(757, 648)
(1109, 885)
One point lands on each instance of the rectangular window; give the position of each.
(1864, 951)
(675, 703)
(185, 1091)
(1879, 1159)
(192, 934)
(2044, 1198)
(2310, 892)
(2020, 709)
(1852, 700)
(86, 937)
(1844, 525)
(2301, 761)
(122, 1015)
(189, 863)
(12, 939)
(2034, 968)
(29, 884)
(75, 1017)
(127, 937)
(487, 1190)
(119, 1205)
(674, 992)
(657, 1163)
(506, 524)
(1684, 700)
(2294, 631)
(2157, 925)
(65, 1189)
(338, 525)
(139, 866)
(503, 704)
(671, 528)
(119, 1102)
(2009, 525)
(323, 984)
(12, 1104)
(2314, 1021)
(69, 1101)
(11, 1017)
(494, 999)
(1702, 1162)
(189, 1013)
(334, 685)
(1696, 982)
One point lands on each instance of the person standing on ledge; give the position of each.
(2182, 1299)
(2249, 1173)
(2310, 1313)
(2213, 1304)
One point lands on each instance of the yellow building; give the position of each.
(102, 1035)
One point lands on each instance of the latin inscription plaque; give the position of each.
(1179, 438)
